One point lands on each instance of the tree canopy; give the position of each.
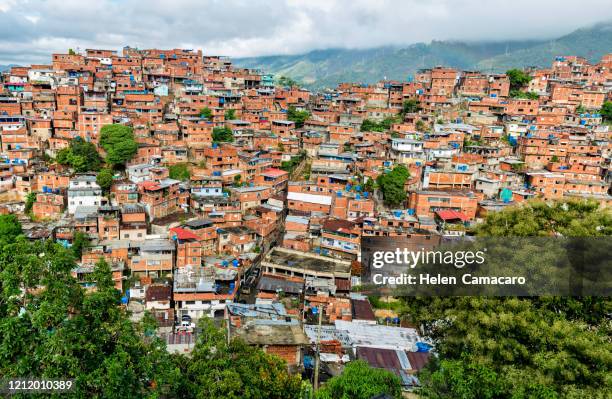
(119, 143)
(392, 185)
(285, 81)
(606, 111)
(360, 381)
(206, 113)
(410, 106)
(51, 327)
(369, 125)
(105, 179)
(179, 171)
(10, 228)
(29, 203)
(218, 369)
(81, 155)
(518, 80)
(230, 114)
(507, 347)
(222, 134)
(299, 117)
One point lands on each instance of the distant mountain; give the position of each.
(6, 67)
(326, 68)
(591, 43)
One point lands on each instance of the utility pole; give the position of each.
(317, 359)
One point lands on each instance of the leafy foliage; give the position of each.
(518, 79)
(218, 369)
(206, 113)
(285, 81)
(79, 242)
(538, 218)
(299, 117)
(230, 114)
(546, 347)
(410, 106)
(420, 126)
(360, 381)
(29, 203)
(119, 143)
(10, 228)
(369, 125)
(105, 179)
(179, 171)
(606, 111)
(526, 95)
(289, 166)
(222, 134)
(82, 156)
(392, 185)
(50, 327)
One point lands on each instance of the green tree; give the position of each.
(218, 369)
(392, 185)
(119, 143)
(360, 381)
(420, 125)
(179, 171)
(10, 228)
(527, 95)
(369, 125)
(285, 81)
(505, 347)
(104, 178)
(606, 111)
(410, 106)
(538, 218)
(369, 186)
(230, 114)
(237, 180)
(81, 155)
(29, 203)
(299, 117)
(206, 113)
(71, 52)
(222, 134)
(79, 242)
(518, 80)
(59, 331)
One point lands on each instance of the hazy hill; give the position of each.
(321, 68)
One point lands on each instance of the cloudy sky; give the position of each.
(32, 29)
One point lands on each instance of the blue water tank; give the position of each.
(423, 347)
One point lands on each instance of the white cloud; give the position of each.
(31, 30)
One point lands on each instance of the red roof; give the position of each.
(273, 172)
(183, 234)
(451, 214)
(150, 185)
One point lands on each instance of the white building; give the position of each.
(84, 191)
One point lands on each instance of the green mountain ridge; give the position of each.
(327, 68)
